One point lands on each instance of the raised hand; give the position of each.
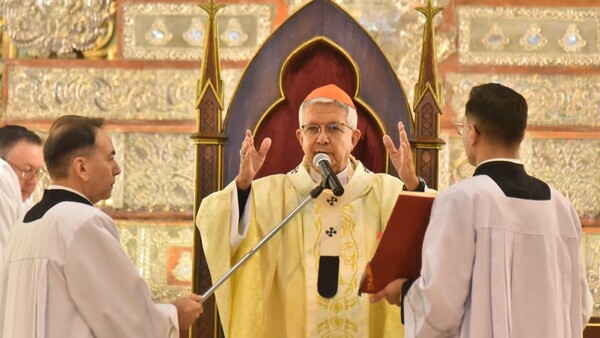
(251, 160)
(402, 158)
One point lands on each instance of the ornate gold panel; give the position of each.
(168, 31)
(572, 167)
(113, 93)
(529, 36)
(591, 255)
(554, 100)
(162, 253)
(158, 172)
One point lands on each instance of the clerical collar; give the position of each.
(58, 186)
(54, 195)
(316, 176)
(513, 160)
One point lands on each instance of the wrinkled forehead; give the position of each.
(325, 111)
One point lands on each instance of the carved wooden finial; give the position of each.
(428, 69)
(211, 8)
(428, 104)
(209, 94)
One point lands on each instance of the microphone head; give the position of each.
(320, 157)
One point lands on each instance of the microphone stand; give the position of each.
(313, 195)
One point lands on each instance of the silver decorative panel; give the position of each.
(60, 26)
(162, 253)
(169, 31)
(591, 255)
(109, 92)
(158, 172)
(572, 167)
(529, 36)
(554, 100)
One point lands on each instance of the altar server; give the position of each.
(502, 254)
(65, 273)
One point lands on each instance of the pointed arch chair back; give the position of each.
(318, 45)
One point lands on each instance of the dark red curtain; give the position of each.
(315, 66)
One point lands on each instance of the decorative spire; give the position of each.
(210, 78)
(428, 104)
(211, 9)
(428, 69)
(209, 142)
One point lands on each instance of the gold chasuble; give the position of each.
(274, 294)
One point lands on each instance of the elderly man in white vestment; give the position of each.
(502, 253)
(304, 281)
(65, 274)
(21, 164)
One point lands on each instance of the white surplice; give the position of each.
(11, 207)
(66, 275)
(496, 266)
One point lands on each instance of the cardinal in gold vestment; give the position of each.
(275, 293)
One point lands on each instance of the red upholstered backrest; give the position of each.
(314, 66)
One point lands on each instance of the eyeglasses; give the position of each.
(331, 129)
(460, 127)
(27, 174)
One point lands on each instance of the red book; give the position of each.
(398, 254)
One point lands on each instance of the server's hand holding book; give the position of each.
(398, 254)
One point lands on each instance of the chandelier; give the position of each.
(56, 26)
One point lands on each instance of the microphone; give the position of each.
(323, 163)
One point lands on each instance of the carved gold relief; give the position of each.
(572, 41)
(194, 35)
(533, 40)
(158, 34)
(535, 35)
(243, 28)
(554, 100)
(573, 168)
(234, 35)
(159, 172)
(591, 255)
(60, 27)
(113, 93)
(495, 39)
(162, 254)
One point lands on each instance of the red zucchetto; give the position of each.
(331, 91)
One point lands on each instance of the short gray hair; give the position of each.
(351, 116)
